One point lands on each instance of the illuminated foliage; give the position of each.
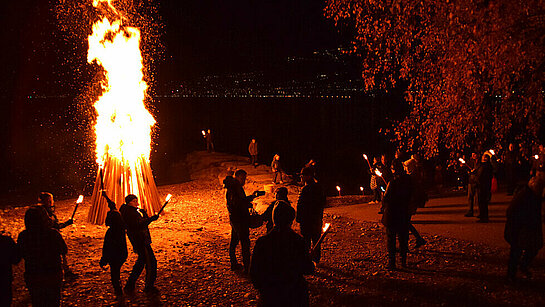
(474, 69)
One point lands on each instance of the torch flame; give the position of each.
(536, 157)
(365, 156)
(378, 173)
(123, 124)
(203, 133)
(326, 227)
(492, 151)
(168, 197)
(80, 199)
(338, 188)
(462, 160)
(361, 189)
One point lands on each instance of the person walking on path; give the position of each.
(42, 247)
(137, 221)
(253, 150)
(419, 196)
(279, 262)
(310, 211)
(238, 205)
(485, 173)
(396, 217)
(472, 197)
(114, 250)
(276, 169)
(9, 256)
(523, 228)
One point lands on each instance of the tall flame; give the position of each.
(123, 125)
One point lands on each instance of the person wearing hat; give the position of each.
(137, 221)
(396, 215)
(279, 262)
(310, 211)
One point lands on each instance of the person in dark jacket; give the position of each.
(279, 262)
(114, 249)
(485, 172)
(472, 197)
(239, 216)
(46, 201)
(9, 256)
(137, 221)
(310, 211)
(511, 161)
(396, 216)
(523, 229)
(267, 216)
(42, 247)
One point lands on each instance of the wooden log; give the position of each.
(121, 179)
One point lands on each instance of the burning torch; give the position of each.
(338, 190)
(325, 230)
(167, 199)
(79, 201)
(203, 133)
(379, 173)
(361, 189)
(368, 163)
(536, 157)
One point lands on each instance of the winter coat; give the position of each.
(484, 175)
(137, 222)
(114, 249)
(523, 227)
(267, 215)
(396, 203)
(310, 208)
(237, 201)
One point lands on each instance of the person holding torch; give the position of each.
(137, 221)
(46, 201)
(310, 211)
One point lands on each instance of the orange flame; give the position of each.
(123, 124)
(80, 199)
(326, 227)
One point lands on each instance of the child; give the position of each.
(114, 250)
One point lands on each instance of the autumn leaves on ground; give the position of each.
(191, 239)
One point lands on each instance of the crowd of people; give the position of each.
(281, 258)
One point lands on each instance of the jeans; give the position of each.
(146, 259)
(240, 233)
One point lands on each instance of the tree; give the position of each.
(474, 69)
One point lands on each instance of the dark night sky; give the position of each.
(209, 36)
(201, 37)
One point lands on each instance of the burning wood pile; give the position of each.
(123, 124)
